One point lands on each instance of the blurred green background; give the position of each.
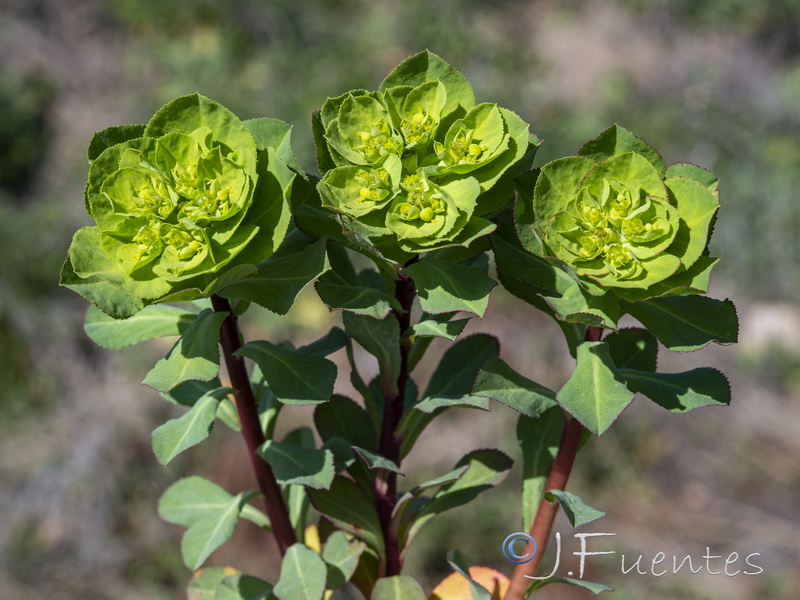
(716, 83)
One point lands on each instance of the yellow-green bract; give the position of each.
(414, 166)
(623, 222)
(183, 205)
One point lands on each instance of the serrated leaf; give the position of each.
(577, 306)
(618, 140)
(432, 403)
(374, 460)
(686, 323)
(346, 505)
(292, 375)
(398, 587)
(500, 382)
(341, 556)
(211, 531)
(176, 435)
(576, 510)
(449, 287)
(111, 136)
(296, 465)
(681, 392)
(434, 327)
(280, 278)
(539, 440)
(244, 587)
(633, 349)
(194, 356)
(190, 499)
(154, 321)
(596, 392)
(303, 575)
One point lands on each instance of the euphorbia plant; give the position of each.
(421, 180)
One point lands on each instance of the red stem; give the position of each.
(251, 427)
(556, 480)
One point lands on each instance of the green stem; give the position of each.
(389, 445)
(556, 480)
(251, 427)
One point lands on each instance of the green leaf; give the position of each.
(539, 440)
(176, 435)
(276, 134)
(595, 588)
(596, 393)
(303, 575)
(578, 306)
(111, 136)
(295, 465)
(433, 403)
(686, 323)
(204, 583)
(618, 140)
(334, 340)
(450, 385)
(435, 326)
(293, 376)
(681, 392)
(342, 417)
(398, 587)
(381, 338)
(211, 531)
(500, 382)
(194, 356)
(633, 349)
(243, 587)
(487, 469)
(280, 278)
(107, 297)
(188, 500)
(699, 174)
(696, 206)
(341, 556)
(576, 510)
(376, 461)
(460, 565)
(346, 506)
(360, 299)
(448, 287)
(154, 321)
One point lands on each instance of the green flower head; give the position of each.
(178, 204)
(623, 222)
(396, 162)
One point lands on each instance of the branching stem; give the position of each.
(556, 480)
(251, 427)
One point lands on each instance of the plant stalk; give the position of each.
(556, 480)
(389, 445)
(247, 408)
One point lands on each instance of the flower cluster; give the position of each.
(411, 164)
(622, 221)
(175, 204)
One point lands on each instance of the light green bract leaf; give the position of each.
(449, 287)
(303, 575)
(409, 168)
(184, 205)
(613, 218)
(596, 392)
(194, 356)
(576, 510)
(295, 377)
(152, 322)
